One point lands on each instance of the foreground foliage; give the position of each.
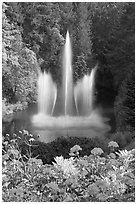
(90, 178)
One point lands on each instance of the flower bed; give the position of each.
(93, 178)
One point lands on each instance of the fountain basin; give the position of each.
(74, 126)
(64, 122)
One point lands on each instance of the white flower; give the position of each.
(113, 144)
(97, 150)
(20, 132)
(31, 139)
(66, 165)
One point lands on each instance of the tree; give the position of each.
(125, 104)
(85, 33)
(20, 65)
(113, 41)
(43, 34)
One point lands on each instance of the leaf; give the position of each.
(5, 157)
(25, 180)
(130, 174)
(68, 199)
(14, 152)
(6, 184)
(12, 192)
(102, 197)
(83, 162)
(84, 172)
(93, 189)
(53, 186)
(102, 184)
(5, 178)
(5, 143)
(71, 180)
(129, 181)
(113, 162)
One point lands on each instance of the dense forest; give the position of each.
(103, 33)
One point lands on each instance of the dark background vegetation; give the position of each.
(101, 32)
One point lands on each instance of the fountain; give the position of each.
(67, 77)
(46, 98)
(79, 97)
(84, 94)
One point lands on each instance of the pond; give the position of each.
(23, 120)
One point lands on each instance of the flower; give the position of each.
(112, 155)
(66, 165)
(31, 139)
(113, 144)
(96, 150)
(25, 132)
(75, 148)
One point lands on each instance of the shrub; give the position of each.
(77, 179)
(8, 108)
(123, 138)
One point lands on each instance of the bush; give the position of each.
(8, 108)
(123, 138)
(61, 146)
(77, 179)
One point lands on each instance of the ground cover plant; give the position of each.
(96, 177)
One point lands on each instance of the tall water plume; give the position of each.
(84, 94)
(67, 77)
(47, 94)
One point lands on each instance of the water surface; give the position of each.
(23, 120)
